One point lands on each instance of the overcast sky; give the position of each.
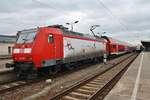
(127, 20)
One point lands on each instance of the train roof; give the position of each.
(115, 41)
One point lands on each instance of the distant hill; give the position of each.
(7, 39)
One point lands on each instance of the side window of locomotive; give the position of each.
(50, 38)
(114, 46)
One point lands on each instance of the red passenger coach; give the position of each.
(51, 47)
(115, 47)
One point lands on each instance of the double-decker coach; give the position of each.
(116, 47)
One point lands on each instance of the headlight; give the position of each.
(27, 50)
(16, 50)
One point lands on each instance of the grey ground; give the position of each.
(124, 88)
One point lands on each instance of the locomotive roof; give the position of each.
(72, 33)
(66, 32)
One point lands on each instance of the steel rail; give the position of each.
(15, 84)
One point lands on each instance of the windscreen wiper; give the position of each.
(25, 40)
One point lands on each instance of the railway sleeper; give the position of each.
(69, 98)
(79, 95)
(85, 91)
(90, 88)
(4, 87)
(92, 85)
(14, 84)
(98, 81)
(93, 82)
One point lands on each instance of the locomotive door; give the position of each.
(55, 41)
(58, 46)
(51, 47)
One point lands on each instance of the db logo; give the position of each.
(21, 50)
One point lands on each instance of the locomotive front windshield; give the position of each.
(26, 36)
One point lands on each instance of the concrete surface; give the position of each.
(135, 83)
(4, 48)
(3, 62)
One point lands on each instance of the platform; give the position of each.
(2, 64)
(5, 57)
(135, 83)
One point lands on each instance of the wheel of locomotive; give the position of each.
(31, 74)
(69, 66)
(16, 69)
(19, 73)
(100, 59)
(96, 60)
(42, 72)
(26, 74)
(54, 69)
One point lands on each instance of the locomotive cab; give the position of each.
(35, 49)
(23, 51)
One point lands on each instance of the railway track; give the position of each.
(2, 72)
(9, 86)
(7, 76)
(8, 79)
(15, 84)
(96, 87)
(5, 57)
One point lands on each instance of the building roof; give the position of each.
(7, 39)
(146, 43)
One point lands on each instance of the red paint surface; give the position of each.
(41, 49)
(114, 46)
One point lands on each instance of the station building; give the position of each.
(6, 43)
(146, 45)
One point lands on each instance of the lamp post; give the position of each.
(72, 24)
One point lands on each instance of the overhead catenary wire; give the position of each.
(56, 8)
(112, 15)
(49, 6)
(65, 13)
(60, 10)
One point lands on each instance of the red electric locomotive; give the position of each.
(50, 47)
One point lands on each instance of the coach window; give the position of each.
(50, 38)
